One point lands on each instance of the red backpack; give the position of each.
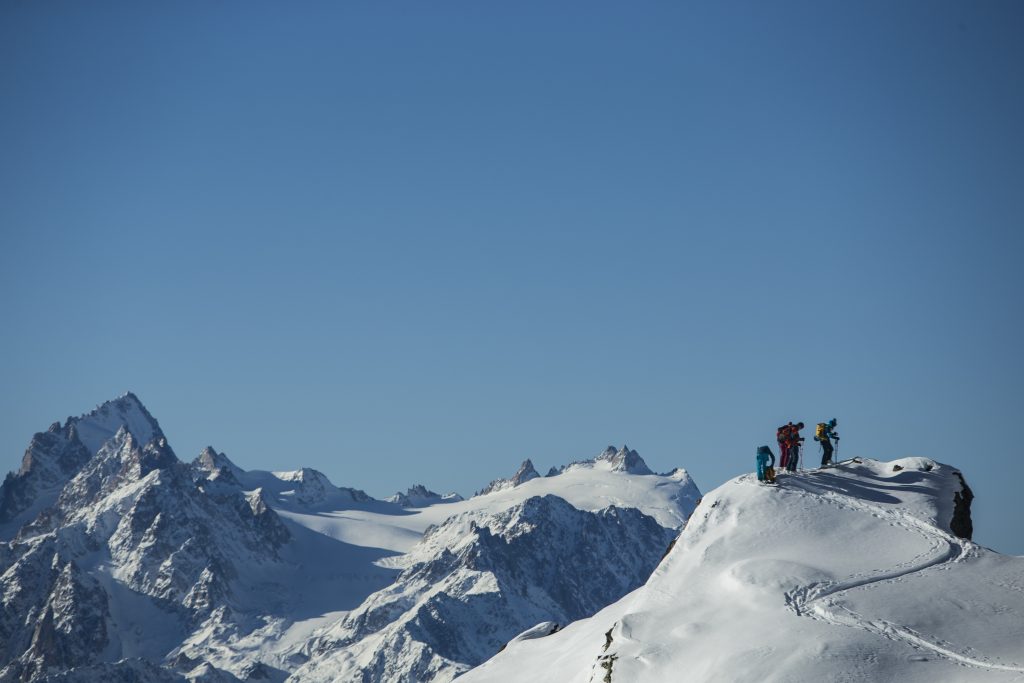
(782, 434)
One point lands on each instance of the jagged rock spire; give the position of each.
(525, 473)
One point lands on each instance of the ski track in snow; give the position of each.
(815, 600)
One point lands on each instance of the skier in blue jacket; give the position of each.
(765, 470)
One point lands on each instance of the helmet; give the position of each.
(833, 422)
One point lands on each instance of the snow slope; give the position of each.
(845, 574)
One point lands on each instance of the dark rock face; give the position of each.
(51, 459)
(961, 524)
(63, 614)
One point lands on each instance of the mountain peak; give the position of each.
(525, 473)
(418, 495)
(99, 425)
(616, 459)
(58, 454)
(210, 461)
(624, 460)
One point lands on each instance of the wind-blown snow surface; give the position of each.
(118, 561)
(844, 574)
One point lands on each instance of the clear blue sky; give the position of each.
(421, 242)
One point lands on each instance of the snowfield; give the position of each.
(846, 574)
(590, 486)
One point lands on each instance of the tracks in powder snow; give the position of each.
(816, 600)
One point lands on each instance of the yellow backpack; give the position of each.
(821, 432)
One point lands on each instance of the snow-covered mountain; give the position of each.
(56, 455)
(862, 572)
(120, 562)
(478, 579)
(478, 571)
(615, 459)
(131, 556)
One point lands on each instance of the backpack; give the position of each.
(821, 432)
(782, 434)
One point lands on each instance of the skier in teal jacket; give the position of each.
(764, 454)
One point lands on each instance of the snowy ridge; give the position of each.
(303, 489)
(851, 573)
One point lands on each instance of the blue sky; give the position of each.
(422, 242)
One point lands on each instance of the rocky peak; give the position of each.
(624, 460)
(211, 462)
(618, 459)
(124, 457)
(98, 426)
(55, 456)
(525, 473)
(155, 455)
(419, 495)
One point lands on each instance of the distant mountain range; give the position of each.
(118, 561)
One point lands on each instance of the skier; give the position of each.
(782, 436)
(765, 471)
(793, 446)
(824, 433)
